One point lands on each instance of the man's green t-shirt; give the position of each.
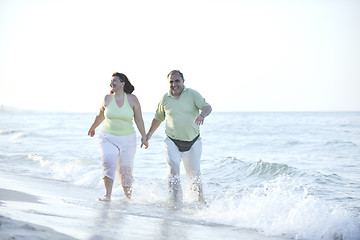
(180, 114)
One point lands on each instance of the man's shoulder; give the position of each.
(163, 98)
(191, 91)
(165, 95)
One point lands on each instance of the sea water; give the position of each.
(294, 175)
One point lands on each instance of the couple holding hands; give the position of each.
(184, 110)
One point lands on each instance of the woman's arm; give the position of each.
(135, 104)
(98, 119)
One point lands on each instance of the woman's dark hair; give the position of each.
(128, 88)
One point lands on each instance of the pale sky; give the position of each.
(241, 55)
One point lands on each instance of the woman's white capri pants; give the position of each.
(117, 155)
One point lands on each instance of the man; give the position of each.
(180, 107)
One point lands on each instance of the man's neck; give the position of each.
(176, 95)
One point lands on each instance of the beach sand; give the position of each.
(12, 229)
(36, 208)
(15, 229)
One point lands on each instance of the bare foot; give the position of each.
(127, 191)
(104, 199)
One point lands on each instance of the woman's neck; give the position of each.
(119, 94)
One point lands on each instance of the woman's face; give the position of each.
(116, 84)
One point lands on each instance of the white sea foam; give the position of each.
(18, 136)
(74, 171)
(283, 207)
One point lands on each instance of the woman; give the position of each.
(118, 137)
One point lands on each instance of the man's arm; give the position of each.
(154, 125)
(205, 111)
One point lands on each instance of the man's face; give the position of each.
(176, 84)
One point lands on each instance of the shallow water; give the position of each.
(290, 175)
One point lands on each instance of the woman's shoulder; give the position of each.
(107, 99)
(131, 97)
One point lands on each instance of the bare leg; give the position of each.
(108, 182)
(201, 196)
(127, 191)
(197, 187)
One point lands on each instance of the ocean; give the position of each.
(266, 175)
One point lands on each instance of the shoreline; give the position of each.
(40, 208)
(24, 230)
(37, 209)
(15, 229)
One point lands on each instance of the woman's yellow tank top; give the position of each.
(118, 121)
